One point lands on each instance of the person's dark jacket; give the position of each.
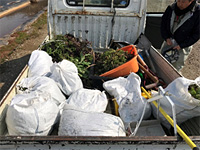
(188, 33)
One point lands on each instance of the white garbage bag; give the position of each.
(39, 63)
(31, 114)
(65, 73)
(77, 122)
(89, 100)
(186, 106)
(43, 84)
(127, 92)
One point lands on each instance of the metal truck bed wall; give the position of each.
(163, 69)
(7, 98)
(91, 143)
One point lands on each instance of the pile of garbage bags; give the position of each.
(53, 93)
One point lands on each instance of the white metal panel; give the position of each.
(98, 25)
(64, 146)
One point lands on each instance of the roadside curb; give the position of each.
(4, 13)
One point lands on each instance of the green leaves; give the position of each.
(82, 64)
(194, 90)
(109, 60)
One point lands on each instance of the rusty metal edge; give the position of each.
(97, 138)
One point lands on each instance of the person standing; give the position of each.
(180, 29)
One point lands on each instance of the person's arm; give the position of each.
(195, 35)
(193, 38)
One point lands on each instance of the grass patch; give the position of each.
(21, 37)
(40, 21)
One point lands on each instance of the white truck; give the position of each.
(100, 22)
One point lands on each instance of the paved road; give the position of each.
(23, 14)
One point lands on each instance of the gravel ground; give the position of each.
(191, 70)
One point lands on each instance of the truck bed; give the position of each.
(164, 69)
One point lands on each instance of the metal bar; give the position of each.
(112, 7)
(138, 124)
(143, 139)
(155, 98)
(83, 5)
(154, 15)
(162, 91)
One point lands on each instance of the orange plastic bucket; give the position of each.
(126, 68)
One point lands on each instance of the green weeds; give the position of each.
(194, 90)
(109, 60)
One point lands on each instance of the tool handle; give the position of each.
(148, 73)
(140, 60)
